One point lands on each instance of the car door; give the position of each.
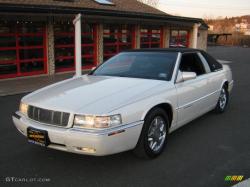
(191, 93)
(215, 78)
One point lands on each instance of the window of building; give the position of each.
(179, 38)
(65, 46)
(117, 38)
(151, 37)
(22, 49)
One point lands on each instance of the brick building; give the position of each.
(37, 36)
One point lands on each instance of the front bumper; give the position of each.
(103, 142)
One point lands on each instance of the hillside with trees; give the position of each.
(239, 27)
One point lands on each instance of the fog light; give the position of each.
(86, 149)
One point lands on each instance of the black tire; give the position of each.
(222, 101)
(144, 147)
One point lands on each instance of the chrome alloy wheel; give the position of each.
(223, 98)
(157, 133)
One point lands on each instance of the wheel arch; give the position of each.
(167, 107)
(226, 83)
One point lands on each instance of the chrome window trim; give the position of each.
(179, 62)
(176, 69)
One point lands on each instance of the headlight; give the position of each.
(87, 121)
(23, 108)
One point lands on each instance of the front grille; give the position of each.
(48, 116)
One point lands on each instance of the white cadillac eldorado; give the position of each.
(130, 102)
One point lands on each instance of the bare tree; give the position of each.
(152, 3)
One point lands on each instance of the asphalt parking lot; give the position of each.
(201, 153)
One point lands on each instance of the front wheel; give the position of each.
(154, 133)
(223, 100)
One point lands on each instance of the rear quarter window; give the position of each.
(213, 64)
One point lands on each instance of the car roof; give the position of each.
(181, 50)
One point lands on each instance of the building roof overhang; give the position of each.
(54, 10)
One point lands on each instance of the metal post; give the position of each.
(78, 45)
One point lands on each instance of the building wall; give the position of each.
(191, 44)
(166, 34)
(100, 43)
(50, 47)
(202, 39)
(137, 37)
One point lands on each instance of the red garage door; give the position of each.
(179, 38)
(117, 38)
(65, 47)
(22, 49)
(151, 37)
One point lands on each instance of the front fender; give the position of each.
(155, 104)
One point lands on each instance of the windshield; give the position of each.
(146, 65)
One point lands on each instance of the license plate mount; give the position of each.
(37, 136)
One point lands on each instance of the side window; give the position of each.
(204, 62)
(213, 64)
(191, 62)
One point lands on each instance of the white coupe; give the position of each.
(130, 102)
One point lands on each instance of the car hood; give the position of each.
(91, 94)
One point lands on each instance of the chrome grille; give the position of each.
(48, 116)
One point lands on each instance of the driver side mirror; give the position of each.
(184, 76)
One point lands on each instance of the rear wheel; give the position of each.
(223, 100)
(154, 133)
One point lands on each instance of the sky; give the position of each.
(205, 8)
